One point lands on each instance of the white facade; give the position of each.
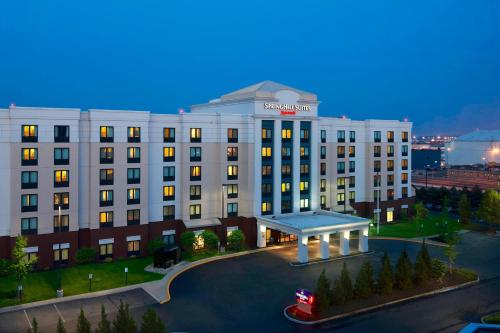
(248, 111)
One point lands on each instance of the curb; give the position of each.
(322, 261)
(411, 240)
(378, 306)
(197, 263)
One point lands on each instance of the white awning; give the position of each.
(201, 223)
(106, 241)
(63, 246)
(31, 249)
(133, 238)
(168, 232)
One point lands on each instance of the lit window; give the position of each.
(377, 151)
(199, 241)
(232, 172)
(61, 255)
(133, 217)
(106, 155)
(340, 183)
(232, 153)
(106, 250)
(195, 134)
(106, 176)
(106, 219)
(168, 192)
(267, 134)
(232, 191)
(266, 207)
(29, 133)
(304, 169)
(304, 203)
(168, 154)
(267, 170)
(304, 152)
(286, 133)
(168, 212)
(133, 247)
(286, 170)
(61, 200)
(352, 151)
(106, 133)
(340, 151)
(340, 198)
(29, 156)
(404, 192)
(168, 134)
(195, 192)
(106, 198)
(133, 195)
(133, 154)
(304, 186)
(322, 185)
(404, 178)
(390, 216)
(266, 151)
(404, 136)
(195, 172)
(134, 134)
(232, 135)
(390, 136)
(404, 164)
(285, 187)
(390, 150)
(194, 211)
(61, 178)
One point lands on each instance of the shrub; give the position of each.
(210, 240)
(124, 323)
(5, 268)
(343, 291)
(187, 241)
(322, 292)
(236, 241)
(385, 281)
(423, 267)
(151, 323)
(86, 255)
(363, 288)
(154, 245)
(60, 326)
(438, 269)
(83, 324)
(403, 273)
(104, 325)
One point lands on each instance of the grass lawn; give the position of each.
(411, 229)
(493, 318)
(42, 285)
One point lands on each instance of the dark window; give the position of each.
(304, 135)
(133, 216)
(106, 155)
(340, 167)
(61, 156)
(377, 136)
(404, 151)
(286, 170)
(322, 152)
(29, 179)
(29, 156)
(323, 136)
(29, 226)
(232, 191)
(168, 212)
(232, 135)
(286, 153)
(352, 136)
(267, 189)
(168, 173)
(29, 203)
(376, 166)
(322, 168)
(61, 224)
(106, 133)
(286, 206)
(61, 200)
(377, 151)
(341, 136)
(232, 209)
(133, 176)
(304, 169)
(61, 133)
(352, 166)
(169, 134)
(195, 192)
(106, 176)
(352, 181)
(29, 133)
(134, 134)
(195, 154)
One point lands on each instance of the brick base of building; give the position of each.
(365, 209)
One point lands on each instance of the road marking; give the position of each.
(27, 318)
(59, 313)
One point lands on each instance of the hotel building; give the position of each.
(113, 180)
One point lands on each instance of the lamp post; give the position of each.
(126, 275)
(90, 281)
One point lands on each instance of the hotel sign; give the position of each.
(287, 109)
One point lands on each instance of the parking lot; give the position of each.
(48, 315)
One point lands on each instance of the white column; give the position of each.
(277, 167)
(303, 251)
(325, 246)
(344, 242)
(261, 235)
(296, 166)
(363, 240)
(257, 172)
(314, 168)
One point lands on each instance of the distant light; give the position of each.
(439, 137)
(344, 116)
(181, 110)
(12, 105)
(405, 120)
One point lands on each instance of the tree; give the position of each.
(210, 240)
(83, 324)
(21, 265)
(151, 323)
(450, 252)
(236, 240)
(154, 245)
(363, 287)
(60, 326)
(342, 291)
(34, 326)
(85, 255)
(385, 281)
(475, 196)
(187, 241)
(403, 271)
(464, 210)
(438, 269)
(423, 266)
(322, 292)
(420, 212)
(489, 209)
(104, 325)
(124, 323)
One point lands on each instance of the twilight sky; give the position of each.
(435, 62)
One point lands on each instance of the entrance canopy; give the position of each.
(316, 223)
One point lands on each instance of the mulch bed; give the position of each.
(448, 281)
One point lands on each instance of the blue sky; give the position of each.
(435, 62)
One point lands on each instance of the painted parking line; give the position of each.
(27, 318)
(59, 313)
